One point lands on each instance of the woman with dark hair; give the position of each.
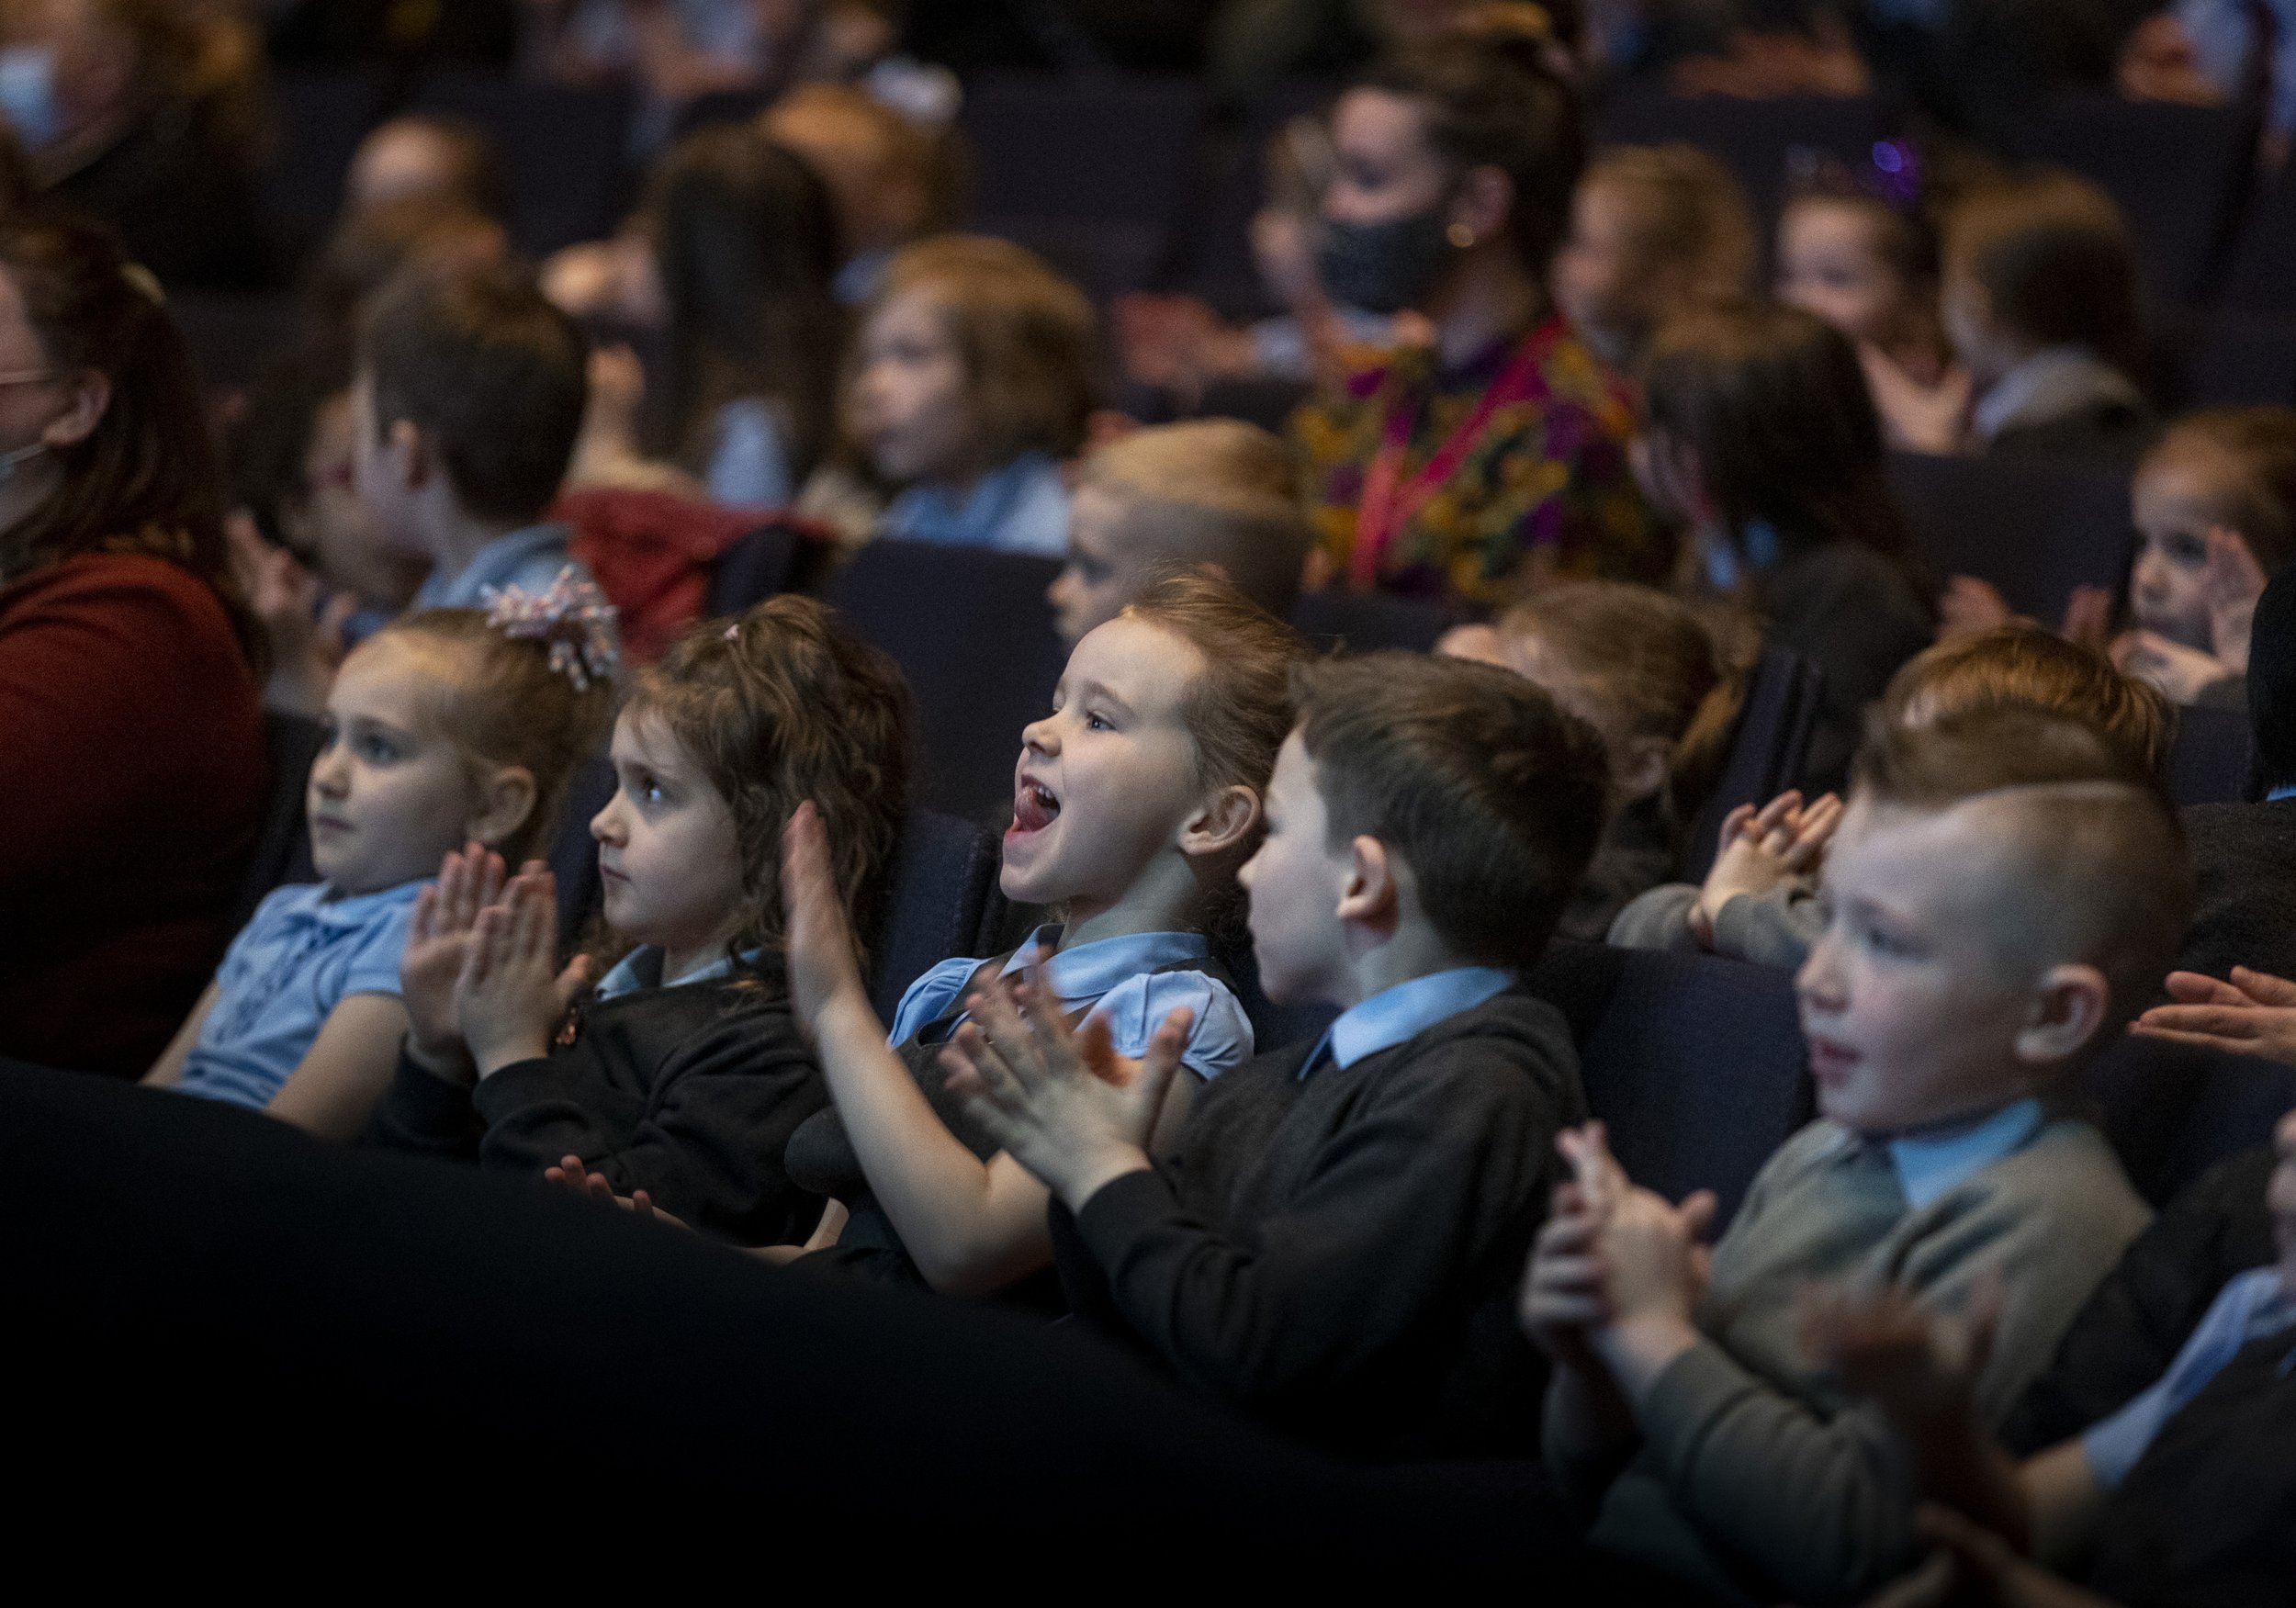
(1763, 440)
(131, 739)
(1497, 456)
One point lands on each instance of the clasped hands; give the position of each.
(1618, 1273)
(1761, 849)
(480, 977)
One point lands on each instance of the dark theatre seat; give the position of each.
(424, 1368)
(1767, 749)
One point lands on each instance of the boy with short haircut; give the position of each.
(1214, 494)
(468, 398)
(2004, 892)
(1329, 1240)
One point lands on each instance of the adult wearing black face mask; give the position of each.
(131, 737)
(1497, 456)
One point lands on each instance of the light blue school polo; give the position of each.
(304, 952)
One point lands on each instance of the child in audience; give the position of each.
(1655, 230)
(431, 155)
(745, 244)
(682, 1071)
(2182, 1495)
(467, 400)
(1760, 900)
(1329, 1240)
(888, 178)
(1134, 802)
(1639, 667)
(1863, 254)
(1763, 440)
(1214, 494)
(2005, 887)
(2040, 304)
(447, 728)
(972, 380)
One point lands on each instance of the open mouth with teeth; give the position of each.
(1034, 807)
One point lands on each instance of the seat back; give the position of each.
(565, 150)
(2256, 278)
(2174, 1110)
(2209, 762)
(323, 113)
(233, 334)
(2180, 173)
(1695, 1064)
(1768, 748)
(943, 882)
(282, 843)
(573, 856)
(973, 633)
(2034, 527)
(1357, 621)
(2236, 359)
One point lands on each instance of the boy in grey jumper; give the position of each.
(2005, 889)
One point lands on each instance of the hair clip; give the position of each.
(733, 632)
(1890, 175)
(572, 616)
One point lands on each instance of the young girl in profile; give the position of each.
(972, 379)
(1655, 230)
(1639, 667)
(447, 727)
(681, 1073)
(1134, 803)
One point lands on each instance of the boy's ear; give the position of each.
(2069, 1011)
(1224, 822)
(405, 441)
(1371, 895)
(506, 798)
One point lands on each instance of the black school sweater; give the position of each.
(1338, 1256)
(688, 1093)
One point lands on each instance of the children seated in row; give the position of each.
(1495, 458)
(680, 1071)
(1655, 230)
(1328, 1240)
(1762, 441)
(1134, 802)
(2004, 893)
(1641, 668)
(446, 727)
(1759, 901)
(1214, 494)
(972, 380)
(2183, 1494)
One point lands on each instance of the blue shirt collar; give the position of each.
(1394, 1015)
(2277, 793)
(932, 513)
(641, 968)
(497, 563)
(1089, 970)
(331, 905)
(1932, 1165)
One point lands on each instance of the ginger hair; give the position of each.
(2024, 666)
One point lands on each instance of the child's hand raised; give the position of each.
(1563, 1290)
(438, 938)
(1759, 849)
(817, 941)
(512, 993)
(2255, 1014)
(2180, 673)
(1062, 1104)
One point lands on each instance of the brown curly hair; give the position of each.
(781, 705)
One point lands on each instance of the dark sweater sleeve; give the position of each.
(426, 1115)
(1397, 1206)
(705, 1139)
(2132, 1329)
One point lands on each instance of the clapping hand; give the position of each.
(817, 941)
(574, 1174)
(1761, 849)
(438, 938)
(1921, 1368)
(1061, 1102)
(512, 993)
(2255, 1014)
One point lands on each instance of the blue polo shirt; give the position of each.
(529, 560)
(306, 951)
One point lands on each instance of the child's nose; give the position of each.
(1818, 983)
(605, 828)
(330, 774)
(1041, 737)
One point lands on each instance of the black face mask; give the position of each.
(1382, 267)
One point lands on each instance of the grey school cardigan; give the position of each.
(1757, 1475)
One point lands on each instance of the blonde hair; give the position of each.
(1690, 215)
(1026, 336)
(1646, 658)
(1211, 491)
(812, 117)
(509, 706)
(2252, 452)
